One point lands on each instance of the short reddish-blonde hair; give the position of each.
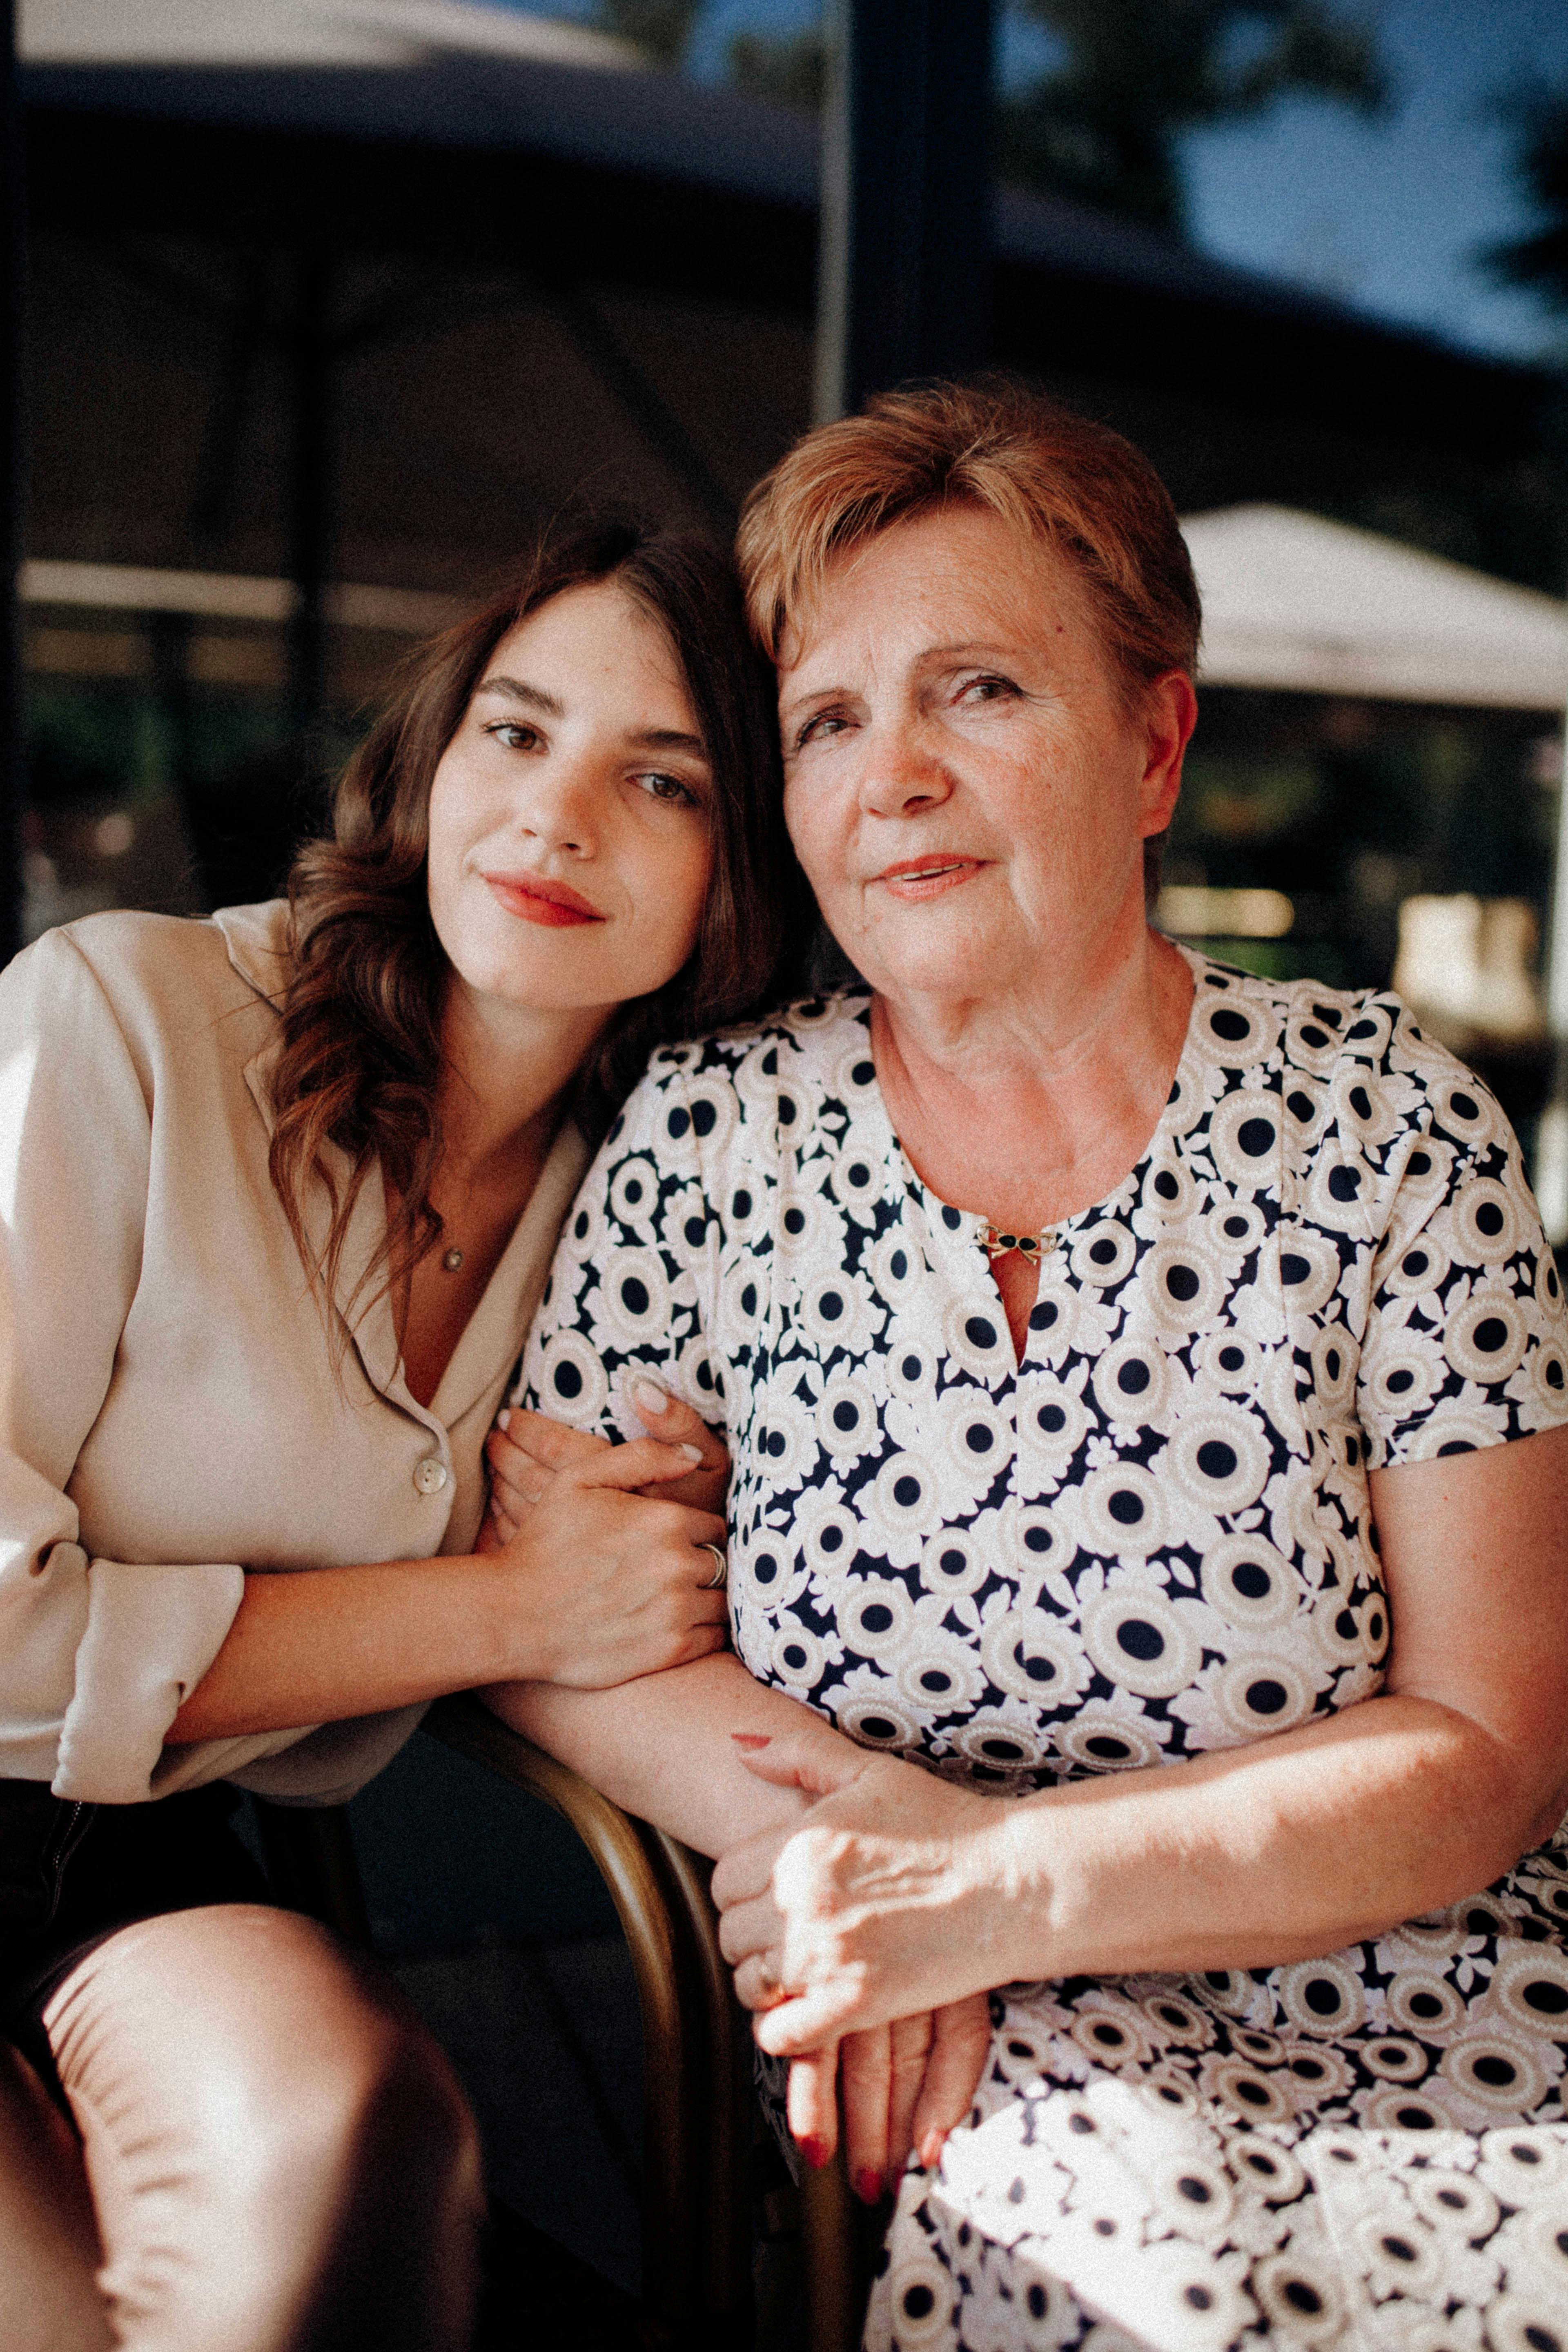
(1057, 478)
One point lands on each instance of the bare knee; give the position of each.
(296, 2137)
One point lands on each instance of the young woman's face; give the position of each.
(569, 830)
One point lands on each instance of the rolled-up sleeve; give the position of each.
(96, 1655)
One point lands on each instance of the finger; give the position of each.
(959, 2052)
(705, 1490)
(644, 1463)
(554, 1445)
(791, 1763)
(749, 1927)
(865, 2072)
(910, 2039)
(514, 1474)
(811, 2105)
(747, 1870)
(804, 2022)
(676, 1423)
(757, 1984)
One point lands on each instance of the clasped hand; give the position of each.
(890, 1897)
(875, 1922)
(910, 2071)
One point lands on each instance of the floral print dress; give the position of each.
(1148, 1540)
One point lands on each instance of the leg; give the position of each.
(48, 2245)
(280, 2156)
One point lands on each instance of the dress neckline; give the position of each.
(968, 1225)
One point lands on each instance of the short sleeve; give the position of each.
(635, 1279)
(1467, 1338)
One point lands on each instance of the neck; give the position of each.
(504, 1069)
(1031, 1103)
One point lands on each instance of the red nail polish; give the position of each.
(868, 2186)
(815, 2152)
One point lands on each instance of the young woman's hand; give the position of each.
(890, 1898)
(601, 1584)
(525, 1449)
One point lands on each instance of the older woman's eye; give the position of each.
(667, 788)
(989, 689)
(825, 723)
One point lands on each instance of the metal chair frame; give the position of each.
(697, 2074)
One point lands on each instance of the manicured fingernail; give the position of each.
(815, 2152)
(692, 1452)
(868, 2186)
(503, 1418)
(648, 1397)
(931, 2149)
(750, 1738)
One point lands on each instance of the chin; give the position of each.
(945, 957)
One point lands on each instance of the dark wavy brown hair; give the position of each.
(361, 1053)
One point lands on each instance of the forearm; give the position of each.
(1281, 1851)
(661, 1747)
(328, 1644)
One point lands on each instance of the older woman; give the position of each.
(1146, 1384)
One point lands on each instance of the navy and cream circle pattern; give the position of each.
(1149, 1539)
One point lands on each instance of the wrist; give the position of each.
(1016, 1891)
(515, 1641)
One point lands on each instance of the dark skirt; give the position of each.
(73, 1875)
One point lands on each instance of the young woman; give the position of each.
(278, 1195)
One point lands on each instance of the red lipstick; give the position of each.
(536, 900)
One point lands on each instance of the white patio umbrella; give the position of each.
(1291, 601)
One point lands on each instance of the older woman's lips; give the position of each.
(539, 901)
(927, 877)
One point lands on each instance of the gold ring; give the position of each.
(721, 1575)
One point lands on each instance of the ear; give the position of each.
(1170, 713)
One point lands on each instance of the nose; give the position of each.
(901, 775)
(558, 805)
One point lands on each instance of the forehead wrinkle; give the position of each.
(1031, 608)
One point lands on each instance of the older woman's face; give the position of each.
(966, 786)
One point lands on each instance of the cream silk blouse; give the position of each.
(175, 1406)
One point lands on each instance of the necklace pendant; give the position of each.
(453, 1262)
(1031, 1247)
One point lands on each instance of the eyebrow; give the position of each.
(969, 650)
(534, 697)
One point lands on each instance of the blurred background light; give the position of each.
(1188, 911)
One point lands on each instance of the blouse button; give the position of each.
(429, 1475)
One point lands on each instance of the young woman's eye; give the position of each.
(513, 734)
(667, 788)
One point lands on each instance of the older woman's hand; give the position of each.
(889, 1899)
